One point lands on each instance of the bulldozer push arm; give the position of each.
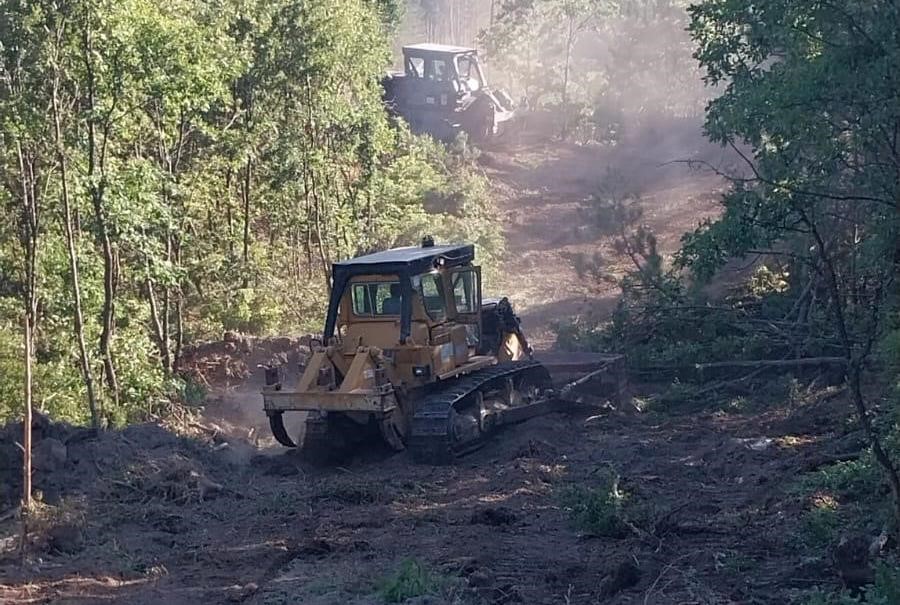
(365, 389)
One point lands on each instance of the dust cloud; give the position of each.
(233, 376)
(614, 110)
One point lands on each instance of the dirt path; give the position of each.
(708, 499)
(544, 192)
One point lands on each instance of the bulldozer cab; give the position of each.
(451, 69)
(421, 306)
(442, 91)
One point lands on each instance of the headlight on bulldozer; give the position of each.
(421, 371)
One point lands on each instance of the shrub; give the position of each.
(596, 510)
(845, 497)
(412, 579)
(885, 591)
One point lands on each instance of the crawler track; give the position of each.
(433, 439)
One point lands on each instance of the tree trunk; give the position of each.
(78, 314)
(26, 428)
(108, 313)
(570, 35)
(166, 315)
(245, 198)
(28, 234)
(96, 168)
(855, 364)
(159, 334)
(179, 310)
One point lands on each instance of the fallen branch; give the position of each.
(586, 378)
(725, 384)
(822, 460)
(664, 571)
(9, 514)
(773, 363)
(698, 368)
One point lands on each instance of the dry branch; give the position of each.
(773, 363)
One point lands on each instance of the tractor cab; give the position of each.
(455, 69)
(420, 306)
(442, 91)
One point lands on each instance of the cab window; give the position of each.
(465, 291)
(432, 292)
(376, 298)
(436, 69)
(415, 67)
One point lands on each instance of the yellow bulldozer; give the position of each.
(412, 353)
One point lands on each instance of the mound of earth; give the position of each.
(77, 463)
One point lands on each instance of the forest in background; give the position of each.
(175, 170)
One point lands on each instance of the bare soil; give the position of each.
(204, 509)
(544, 190)
(207, 518)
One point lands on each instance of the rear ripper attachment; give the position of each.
(412, 356)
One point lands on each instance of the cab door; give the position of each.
(465, 299)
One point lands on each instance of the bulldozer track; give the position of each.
(431, 439)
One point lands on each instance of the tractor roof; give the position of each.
(412, 259)
(443, 49)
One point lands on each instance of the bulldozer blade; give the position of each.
(558, 401)
(522, 413)
(276, 423)
(596, 373)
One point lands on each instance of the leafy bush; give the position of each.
(845, 496)
(412, 579)
(848, 480)
(885, 591)
(191, 391)
(596, 510)
(820, 527)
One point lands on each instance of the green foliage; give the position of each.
(820, 528)
(885, 591)
(809, 103)
(228, 152)
(191, 392)
(845, 497)
(660, 322)
(799, 80)
(596, 510)
(849, 481)
(412, 579)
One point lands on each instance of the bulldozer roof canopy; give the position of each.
(412, 259)
(428, 47)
